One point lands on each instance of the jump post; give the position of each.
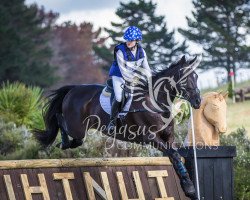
(115, 178)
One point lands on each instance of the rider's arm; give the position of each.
(145, 65)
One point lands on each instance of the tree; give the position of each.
(24, 35)
(159, 43)
(73, 54)
(222, 28)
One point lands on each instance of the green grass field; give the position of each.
(238, 114)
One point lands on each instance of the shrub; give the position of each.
(11, 137)
(21, 105)
(241, 162)
(239, 139)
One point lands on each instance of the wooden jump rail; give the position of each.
(86, 162)
(133, 178)
(90, 178)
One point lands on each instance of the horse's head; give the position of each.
(179, 79)
(186, 81)
(215, 110)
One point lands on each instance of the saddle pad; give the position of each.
(105, 104)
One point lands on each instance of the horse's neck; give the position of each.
(204, 131)
(165, 80)
(154, 96)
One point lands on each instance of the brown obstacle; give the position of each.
(78, 179)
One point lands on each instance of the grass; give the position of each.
(238, 115)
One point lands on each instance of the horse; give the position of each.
(209, 120)
(74, 109)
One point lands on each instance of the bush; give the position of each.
(16, 142)
(11, 137)
(230, 89)
(239, 139)
(241, 162)
(21, 105)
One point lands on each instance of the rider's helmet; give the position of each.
(132, 33)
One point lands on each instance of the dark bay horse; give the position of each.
(75, 109)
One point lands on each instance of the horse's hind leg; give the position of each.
(62, 126)
(175, 158)
(66, 142)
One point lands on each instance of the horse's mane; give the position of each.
(172, 68)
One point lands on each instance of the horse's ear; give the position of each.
(183, 59)
(192, 60)
(193, 63)
(225, 95)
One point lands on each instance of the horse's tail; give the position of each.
(52, 107)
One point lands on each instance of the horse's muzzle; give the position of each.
(196, 102)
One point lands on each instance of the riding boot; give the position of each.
(185, 181)
(113, 115)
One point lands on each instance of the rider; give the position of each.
(128, 57)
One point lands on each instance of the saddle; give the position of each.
(109, 92)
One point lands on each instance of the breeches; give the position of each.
(117, 85)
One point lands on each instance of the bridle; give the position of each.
(184, 97)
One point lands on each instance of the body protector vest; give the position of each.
(131, 62)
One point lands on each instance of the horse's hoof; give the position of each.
(62, 146)
(188, 188)
(75, 143)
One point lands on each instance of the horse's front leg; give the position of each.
(175, 158)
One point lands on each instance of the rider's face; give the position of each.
(131, 44)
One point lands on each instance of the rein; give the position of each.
(143, 110)
(129, 91)
(146, 91)
(124, 87)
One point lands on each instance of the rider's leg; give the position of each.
(116, 104)
(117, 85)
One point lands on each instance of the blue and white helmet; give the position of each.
(132, 33)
